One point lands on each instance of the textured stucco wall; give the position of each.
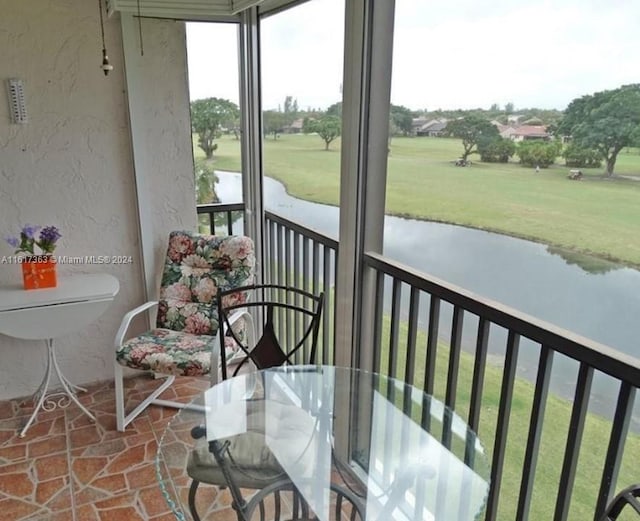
(71, 164)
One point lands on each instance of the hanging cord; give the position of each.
(140, 29)
(106, 66)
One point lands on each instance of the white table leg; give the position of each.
(44, 400)
(40, 395)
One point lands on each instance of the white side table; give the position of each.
(45, 314)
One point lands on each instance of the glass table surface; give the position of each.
(394, 450)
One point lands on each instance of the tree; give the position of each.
(273, 121)
(335, 109)
(205, 182)
(509, 108)
(471, 129)
(401, 118)
(290, 110)
(208, 118)
(327, 127)
(606, 122)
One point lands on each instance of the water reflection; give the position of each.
(588, 263)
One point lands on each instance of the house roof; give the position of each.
(507, 131)
(418, 122)
(530, 131)
(435, 125)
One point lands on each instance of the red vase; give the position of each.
(39, 271)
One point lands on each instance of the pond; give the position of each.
(589, 296)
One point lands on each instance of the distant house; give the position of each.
(416, 124)
(526, 133)
(294, 128)
(433, 128)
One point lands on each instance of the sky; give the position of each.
(447, 54)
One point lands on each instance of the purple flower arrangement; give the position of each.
(26, 242)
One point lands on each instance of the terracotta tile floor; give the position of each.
(68, 468)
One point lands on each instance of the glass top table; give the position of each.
(334, 436)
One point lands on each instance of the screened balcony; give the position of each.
(110, 159)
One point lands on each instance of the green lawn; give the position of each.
(595, 215)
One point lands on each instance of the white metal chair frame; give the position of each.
(123, 419)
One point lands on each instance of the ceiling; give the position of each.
(214, 10)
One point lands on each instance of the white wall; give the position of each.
(72, 164)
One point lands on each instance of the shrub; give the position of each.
(577, 156)
(496, 150)
(538, 153)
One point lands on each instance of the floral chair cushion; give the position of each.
(172, 352)
(196, 268)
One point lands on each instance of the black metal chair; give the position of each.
(628, 496)
(289, 317)
(281, 500)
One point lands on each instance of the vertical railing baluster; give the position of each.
(615, 451)
(272, 253)
(412, 336)
(229, 224)
(303, 355)
(287, 282)
(454, 357)
(502, 428)
(332, 304)
(306, 267)
(281, 270)
(326, 288)
(540, 394)
(452, 371)
(432, 348)
(389, 429)
(479, 364)
(394, 332)
(432, 344)
(212, 223)
(574, 439)
(315, 279)
(377, 325)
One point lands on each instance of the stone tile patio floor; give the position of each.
(68, 468)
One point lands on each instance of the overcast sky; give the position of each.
(447, 53)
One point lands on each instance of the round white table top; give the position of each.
(78, 300)
(401, 453)
(71, 288)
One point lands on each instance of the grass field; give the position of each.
(596, 215)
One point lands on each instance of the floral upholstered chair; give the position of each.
(184, 341)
